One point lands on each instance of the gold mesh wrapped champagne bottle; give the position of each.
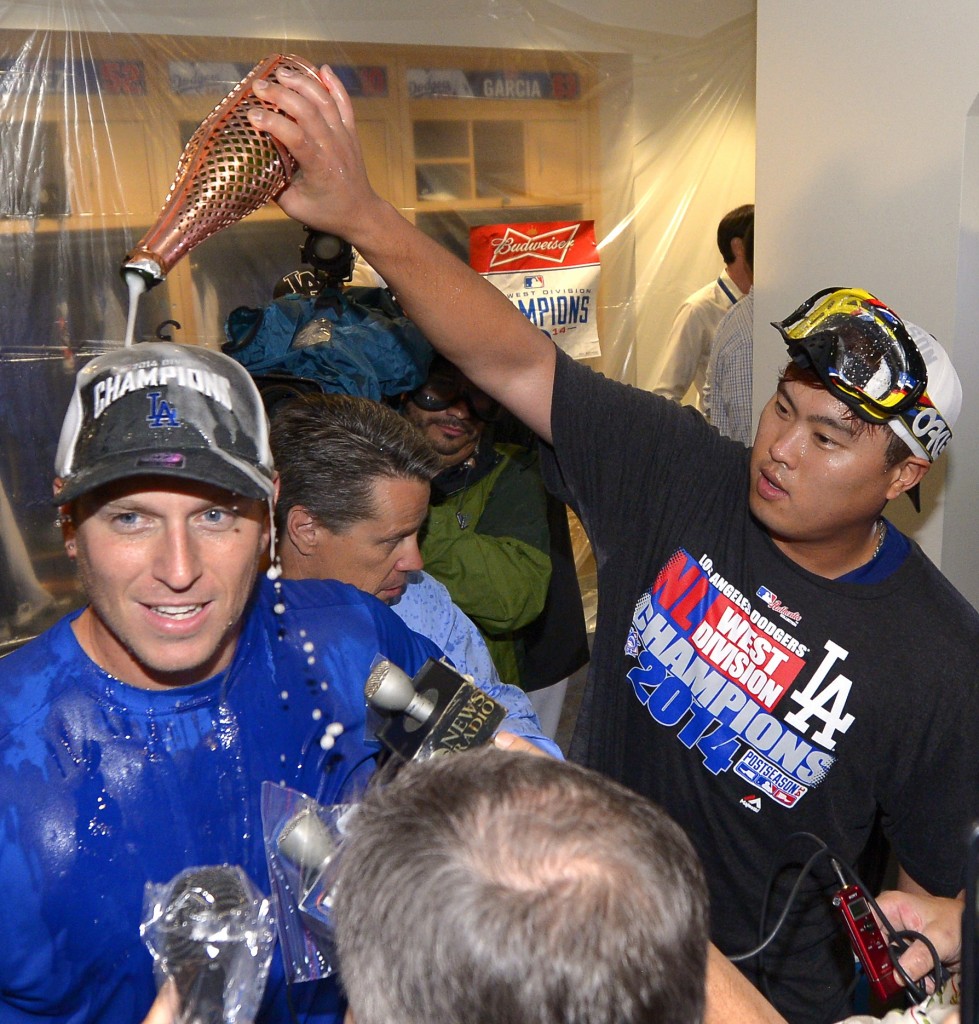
(227, 170)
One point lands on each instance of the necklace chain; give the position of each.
(881, 533)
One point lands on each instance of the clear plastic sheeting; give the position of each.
(535, 112)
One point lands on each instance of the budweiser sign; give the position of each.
(549, 271)
(551, 246)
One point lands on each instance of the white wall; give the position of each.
(861, 140)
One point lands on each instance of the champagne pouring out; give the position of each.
(227, 170)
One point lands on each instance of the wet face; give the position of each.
(453, 431)
(376, 554)
(816, 477)
(167, 570)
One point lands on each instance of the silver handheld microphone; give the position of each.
(390, 688)
(307, 843)
(437, 712)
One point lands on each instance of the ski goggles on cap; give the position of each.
(861, 351)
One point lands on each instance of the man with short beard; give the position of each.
(486, 537)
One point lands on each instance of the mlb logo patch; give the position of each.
(533, 281)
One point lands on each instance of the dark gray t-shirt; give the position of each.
(752, 699)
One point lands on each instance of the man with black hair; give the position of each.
(486, 537)
(773, 659)
(730, 369)
(686, 351)
(497, 886)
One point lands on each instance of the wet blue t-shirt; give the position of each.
(104, 786)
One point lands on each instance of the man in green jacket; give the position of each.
(486, 538)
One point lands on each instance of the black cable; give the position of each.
(773, 871)
(777, 865)
(293, 1016)
(939, 975)
(897, 941)
(793, 892)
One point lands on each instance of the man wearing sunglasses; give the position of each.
(773, 660)
(486, 538)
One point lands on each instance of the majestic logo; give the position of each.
(549, 246)
(162, 413)
(753, 803)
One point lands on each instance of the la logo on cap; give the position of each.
(162, 413)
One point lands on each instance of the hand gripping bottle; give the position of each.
(227, 170)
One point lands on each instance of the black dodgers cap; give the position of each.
(164, 409)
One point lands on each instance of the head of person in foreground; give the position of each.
(506, 887)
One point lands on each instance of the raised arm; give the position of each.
(468, 320)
